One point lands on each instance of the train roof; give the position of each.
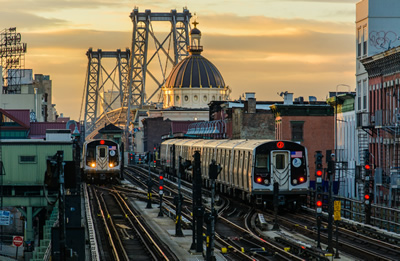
(223, 144)
(92, 140)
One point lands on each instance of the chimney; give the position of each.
(288, 99)
(250, 95)
(250, 103)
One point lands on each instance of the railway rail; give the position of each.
(253, 244)
(129, 237)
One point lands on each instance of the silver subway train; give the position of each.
(101, 161)
(249, 167)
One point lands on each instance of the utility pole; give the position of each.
(161, 193)
(149, 184)
(198, 209)
(213, 173)
(178, 199)
(276, 199)
(331, 172)
(318, 197)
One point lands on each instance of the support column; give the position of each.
(29, 233)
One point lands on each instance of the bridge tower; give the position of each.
(147, 46)
(96, 85)
(139, 63)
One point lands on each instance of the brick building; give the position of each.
(309, 123)
(383, 125)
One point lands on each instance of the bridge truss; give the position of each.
(133, 68)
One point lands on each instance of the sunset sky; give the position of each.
(265, 46)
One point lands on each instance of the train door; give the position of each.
(240, 170)
(280, 168)
(102, 157)
(246, 178)
(235, 168)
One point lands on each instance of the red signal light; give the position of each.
(280, 144)
(259, 179)
(366, 196)
(161, 188)
(367, 166)
(319, 203)
(319, 173)
(161, 177)
(301, 179)
(102, 142)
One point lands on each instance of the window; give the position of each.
(297, 130)
(261, 161)
(359, 43)
(27, 159)
(102, 152)
(359, 95)
(280, 161)
(365, 36)
(365, 90)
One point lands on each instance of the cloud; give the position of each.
(56, 5)
(25, 21)
(326, 1)
(256, 53)
(232, 24)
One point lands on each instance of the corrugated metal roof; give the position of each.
(21, 115)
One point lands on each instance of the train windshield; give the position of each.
(102, 152)
(90, 153)
(262, 161)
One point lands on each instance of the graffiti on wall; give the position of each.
(383, 40)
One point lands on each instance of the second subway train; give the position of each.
(249, 167)
(101, 161)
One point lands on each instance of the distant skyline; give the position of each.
(265, 46)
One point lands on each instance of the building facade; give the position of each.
(35, 95)
(347, 172)
(384, 92)
(377, 30)
(311, 124)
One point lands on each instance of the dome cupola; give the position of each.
(195, 36)
(194, 81)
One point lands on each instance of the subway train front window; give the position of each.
(262, 161)
(280, 161)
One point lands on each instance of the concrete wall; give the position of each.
(260, 125)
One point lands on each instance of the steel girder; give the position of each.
(95, 84)
(139, 60)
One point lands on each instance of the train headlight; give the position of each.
(93, 164)
(258, 179)
(266, 181)
(111, 165)
(295, 181)
(301, 179)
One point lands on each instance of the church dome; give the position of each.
(195, 71)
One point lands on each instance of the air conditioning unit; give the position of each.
(372, 118)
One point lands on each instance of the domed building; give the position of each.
(192, 84)
(194, 81)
